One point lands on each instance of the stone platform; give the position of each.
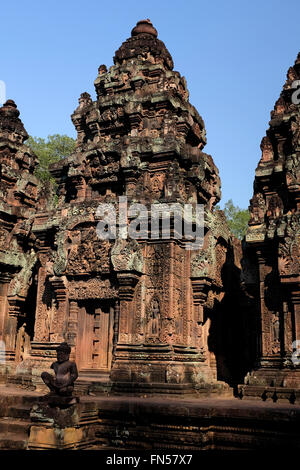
(150, 423)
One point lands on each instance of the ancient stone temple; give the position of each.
(119, 285)
(140, 313)
(272, 251)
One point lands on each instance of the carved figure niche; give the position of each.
(153, 320)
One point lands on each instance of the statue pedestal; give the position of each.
(56, 424)
(44, 438)
(56, 410)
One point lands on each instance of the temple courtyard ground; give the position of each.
(108, 422)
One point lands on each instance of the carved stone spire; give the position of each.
(144, 43)
(144, 27)
(11, 127)
(273, 239)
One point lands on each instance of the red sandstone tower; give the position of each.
(140, 314)
(273, 248)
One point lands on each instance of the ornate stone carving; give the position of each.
(153, 320)
(257, 209)
(92, 289)
(273, 241)
(126, 256)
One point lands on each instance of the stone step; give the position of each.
(13, 441)
(100, 447)
(269, 393)
(19, 411)
(14, 425)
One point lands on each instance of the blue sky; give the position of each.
(234, 55)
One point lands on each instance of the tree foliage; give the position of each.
(50, 151)
(237, 219)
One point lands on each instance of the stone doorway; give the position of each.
(95, 338)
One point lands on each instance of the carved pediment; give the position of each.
(86, 253)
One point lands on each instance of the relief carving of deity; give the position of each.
(275, 207)
(153, 319)
(157, 184)
(257, 209)
(276, 333)
(267, 150)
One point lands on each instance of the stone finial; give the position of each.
(10, 103)
(144, 43)
(84, 99)
(10, 108)
(10, 123)
(144, 27)
(102, 69)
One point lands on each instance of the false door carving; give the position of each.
(94, 338)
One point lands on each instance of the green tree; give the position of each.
(237, 219)
(50, 151)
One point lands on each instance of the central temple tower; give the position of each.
(143, 313)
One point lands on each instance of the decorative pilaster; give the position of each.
(72, 323)
(14, 308)
(61, 293)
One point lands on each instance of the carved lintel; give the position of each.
(91, 289)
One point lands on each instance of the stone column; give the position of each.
(200, 288)
(264, 270)
(3, 304)
(11, 328)
(59, 322)
(116, 327)
(41, 331)
(127, 283)
(72, 324)
(295, 299)
(287, 330)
